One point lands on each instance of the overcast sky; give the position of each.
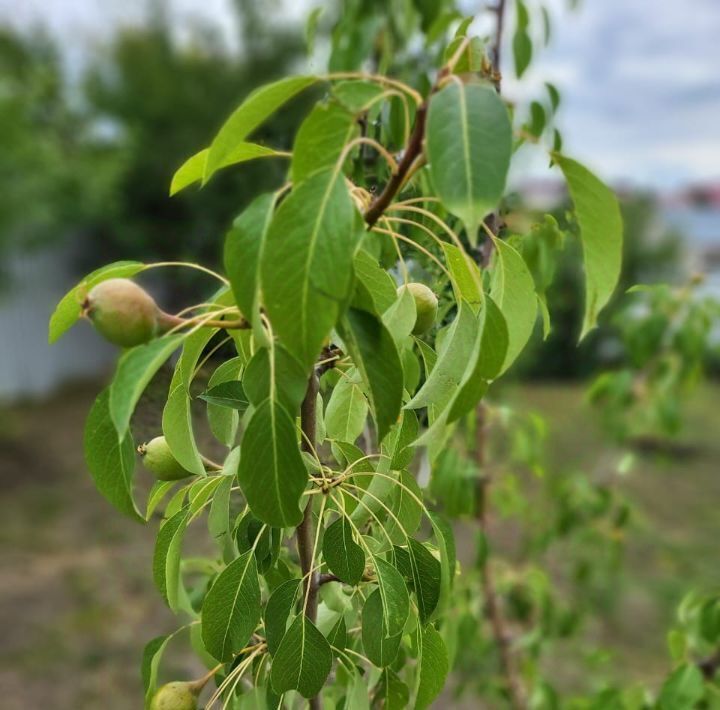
(639, 78)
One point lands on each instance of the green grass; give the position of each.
(672, 545)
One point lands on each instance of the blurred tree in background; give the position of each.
(651, 254)
(55, 177)
(157, 97)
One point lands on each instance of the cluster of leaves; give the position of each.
(665, 334)
(548, 559)
(329, 393)
(693, 644)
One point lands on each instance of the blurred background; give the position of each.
(100, 102)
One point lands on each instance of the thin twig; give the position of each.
(397, 179)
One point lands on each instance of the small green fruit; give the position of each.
(122, 312)
(158, 459)
(426, 306)
(175, 696)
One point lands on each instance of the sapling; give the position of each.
(333, 579)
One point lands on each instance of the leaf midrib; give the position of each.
(234, 604)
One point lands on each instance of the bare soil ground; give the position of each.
(77, 602)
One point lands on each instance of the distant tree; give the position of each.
(651, 254)
(157, 96)
(48, 157)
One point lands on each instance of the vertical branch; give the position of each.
(493, 605)
(493, 220)
(304, 531)
(496, 51)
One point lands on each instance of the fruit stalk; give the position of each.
(170, 322)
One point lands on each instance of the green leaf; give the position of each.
(219, 515)
(251, 533)
(400, 446)
(303, 660)
(429, 11)
(357, 94)
(134, 371)
(193, 347)
(307, 262)
(243, 248)
(178, 431)
(152, 655)
(554, 95)
(598, 215)
(111, 461)
(406, 507)
(423, 571)
(453, 483)
(321, 138)
(256, 108)
(275, 372)
(469, 142)
(684, 688)
(513, 290)
(376, 291)
(484, 364)
(337, 637)
(223, 421)
(522, 44)
(311, 28)
(201, 491)
(379, 647)
(67, 311)
(394, 597)
(344, 557)
(157, 493)
(230, 395)
(277, 613)
(434, 666)
(358, 693)
(272, 473)
(346, 411)
(400, 318)
(440, 385)
(395, 693)
(379, 489)
(375, 355)
(538, 120)
(446, 545)
(495, 341)
(177, 418)
(472, 58)
(231, 609)
(166, 557)
(466, 277)
(194, 168)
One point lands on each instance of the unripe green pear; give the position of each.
(426, 306)
(122, 312)
(158, 459)
(175, 696)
